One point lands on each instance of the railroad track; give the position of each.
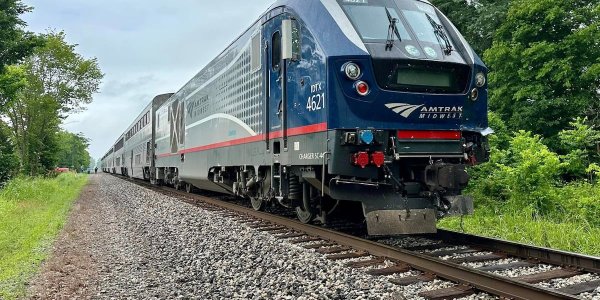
(446, 255)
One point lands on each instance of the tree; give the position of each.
(12, 80)
(545, 63)
(15, 43)
(58, 82)
(579, 143)
(72, 151)
(476, 20)
(57, 71)
(8, 160)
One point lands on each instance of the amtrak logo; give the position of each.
(403, 109)
(427, 112)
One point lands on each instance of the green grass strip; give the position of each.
(518, 226)
(32, 213)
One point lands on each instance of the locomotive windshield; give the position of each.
(423, 38)
(417, 21)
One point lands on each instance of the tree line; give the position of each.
(43, 80)
(544, 99)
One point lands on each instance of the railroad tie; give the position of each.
(229, 215)
(476, 258)
(454, 292)
(290, 235)
(439, 253)
(305, 240)
(400, 268)
(260, 225)
(554, 274)
(247, 221)
(332, 250)
(365, 263)
(413, 279)
(503, 267)
(347, 255)
(428, 247)
(271, 228)
(318, 245)
(584, 287)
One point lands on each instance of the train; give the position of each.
(380, 104)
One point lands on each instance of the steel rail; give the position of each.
(545, 255)
(483, 281)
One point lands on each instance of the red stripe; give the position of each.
(429, 135)
(273, 135)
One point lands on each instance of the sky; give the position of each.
(144, 48)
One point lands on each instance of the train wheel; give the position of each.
(258, 203)
(189, 188)
(305, 215)
(177, 185)
(305, 211)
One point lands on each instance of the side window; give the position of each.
(276, 51)
(255, 53)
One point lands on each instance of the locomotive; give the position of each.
(380, 103)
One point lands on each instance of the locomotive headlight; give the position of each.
(352, 71)
(480, 79)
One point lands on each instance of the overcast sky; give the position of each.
(144, 47)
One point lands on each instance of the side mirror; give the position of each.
(290, 40)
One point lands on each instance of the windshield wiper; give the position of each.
(439, 33)
(392, 30)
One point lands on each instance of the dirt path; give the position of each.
(71, 271)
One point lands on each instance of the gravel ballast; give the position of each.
(141, 244)
(124, 241)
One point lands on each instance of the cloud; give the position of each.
(145, 48)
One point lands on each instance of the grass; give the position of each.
(32, 213)
(518, 226)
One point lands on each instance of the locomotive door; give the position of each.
(275, 73)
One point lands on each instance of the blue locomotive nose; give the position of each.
(366, 136)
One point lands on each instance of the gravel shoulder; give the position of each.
(123, 241)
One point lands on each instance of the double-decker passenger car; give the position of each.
(380, 102)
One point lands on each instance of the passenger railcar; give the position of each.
(137, 142)
(379, 102)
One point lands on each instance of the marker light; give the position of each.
(378, 158)
(366, 136)
(362, 88)
(361, 159)
(474, 94)
(352, 71)
(480, 79)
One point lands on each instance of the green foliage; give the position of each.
(11, 82)
(501, 136)
(58, 81)
(476, 20)
(522, 175)
(72, 151)
(57, 72)
(15, 44)
(545, 64)
(579, 143)
(519, 226)
(33, 211)
(8, 159)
